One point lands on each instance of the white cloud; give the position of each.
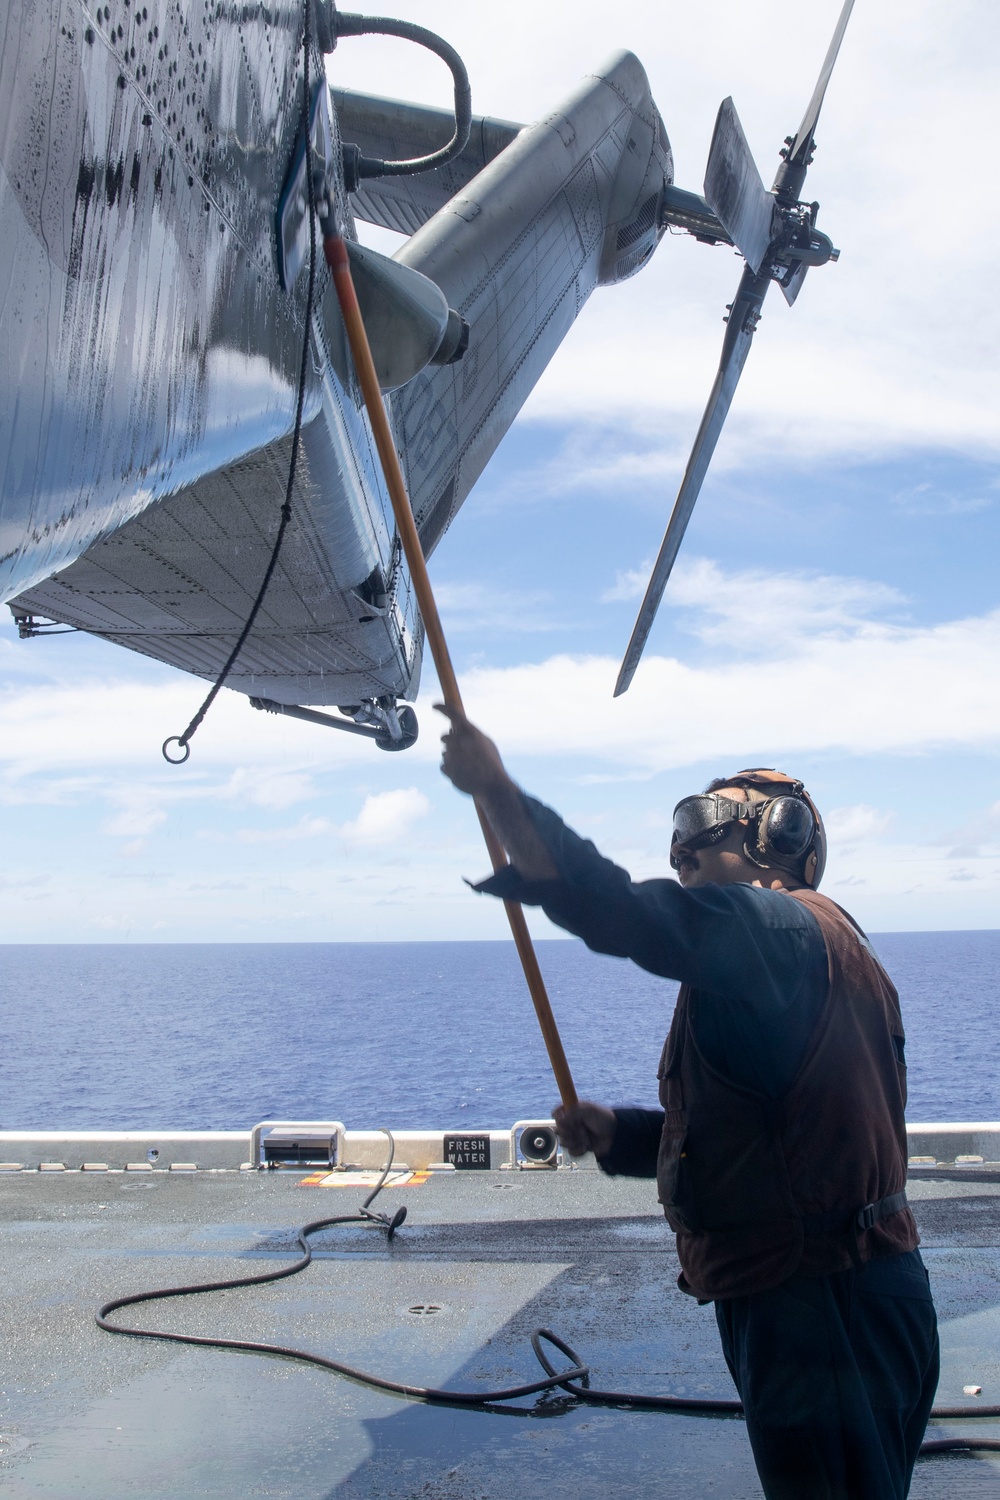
(271, 789)
(480, 606)
(630, 583)
(870, 689)
(819, 669)
(305, 828)
(926, 499)
(135, 821)
(776, 606)
(386, 816)
(851, 825)
(596, 458)
(97, 726)
(977, 839)
(132, 849)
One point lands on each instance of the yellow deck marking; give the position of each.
(364, 1179)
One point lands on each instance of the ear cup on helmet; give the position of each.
(816, 861)
(786, 828)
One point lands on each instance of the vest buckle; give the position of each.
(868, 1216)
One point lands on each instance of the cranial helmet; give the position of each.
(784, 828)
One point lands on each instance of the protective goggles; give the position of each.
(703, 820)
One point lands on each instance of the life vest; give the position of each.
(758, 1189)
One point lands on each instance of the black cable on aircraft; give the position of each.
(356, 166)
(331, 25)
(182, 741)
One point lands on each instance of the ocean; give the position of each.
(219, 1036)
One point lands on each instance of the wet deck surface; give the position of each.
(86, 1416)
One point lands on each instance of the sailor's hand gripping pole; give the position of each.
(335, 251)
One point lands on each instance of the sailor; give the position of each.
(780, 1149)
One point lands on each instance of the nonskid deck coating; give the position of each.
(90, 1417)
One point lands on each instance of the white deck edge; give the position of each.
(941, 1142)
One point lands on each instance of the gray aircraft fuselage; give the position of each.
(151, 355)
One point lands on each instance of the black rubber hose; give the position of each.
(365, 1215)
(348, 24)
(397, 1387)
(575, 1380)
(430, 1394)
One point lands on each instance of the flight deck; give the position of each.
(483, 1258)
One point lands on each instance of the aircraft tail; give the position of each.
(568, 203)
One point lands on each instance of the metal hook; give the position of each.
(176, 760)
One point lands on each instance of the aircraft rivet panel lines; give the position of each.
(138, 273)
(552, 207)
(156, 308)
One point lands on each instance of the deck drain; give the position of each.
(424, 1309)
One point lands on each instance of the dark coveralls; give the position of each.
(836, 1373)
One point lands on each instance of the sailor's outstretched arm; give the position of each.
(471, 761)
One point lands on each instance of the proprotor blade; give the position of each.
(743, 318)
(734, 191)
(798, 151)
(737, 197)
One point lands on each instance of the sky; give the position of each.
(836, 611)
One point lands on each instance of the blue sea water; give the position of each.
(403, 1034)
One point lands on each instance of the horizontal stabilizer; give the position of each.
(393, 130)
(734, 190)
